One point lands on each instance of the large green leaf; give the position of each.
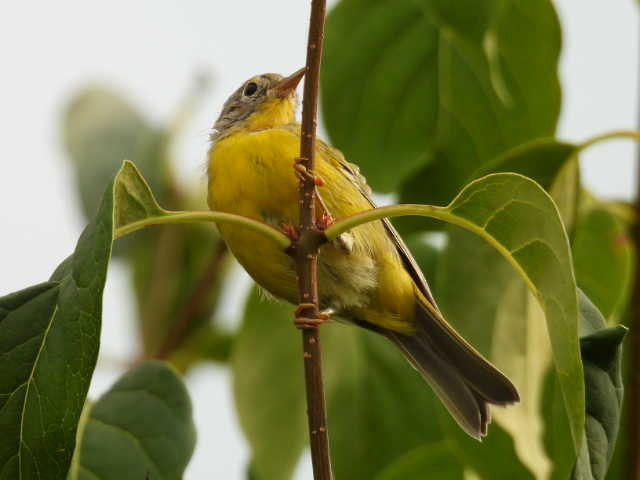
(519, 219)
(141, 428)
(268, 384)
(603, 256)
(49, 335)
(435, 89)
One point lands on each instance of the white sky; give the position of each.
(150, 50)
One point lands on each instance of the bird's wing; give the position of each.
(352, 171)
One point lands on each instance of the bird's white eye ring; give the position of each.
(250, 89)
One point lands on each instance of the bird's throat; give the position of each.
(273, 113)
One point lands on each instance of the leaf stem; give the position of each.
(439, 213)
(216, 217)
(613, 135)
(401, 210)
(305, 251)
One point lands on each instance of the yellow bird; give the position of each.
(367, 276)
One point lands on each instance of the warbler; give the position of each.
(367, 276)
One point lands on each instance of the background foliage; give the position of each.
(426, 98)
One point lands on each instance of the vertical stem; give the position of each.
(306, 252)
(633, 440)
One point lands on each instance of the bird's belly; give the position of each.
(253, 176)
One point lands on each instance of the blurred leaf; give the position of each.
(603, 257)
(470, 265)
(438, 89)
(170, 265)
(521, 348)
(428, 460)
(498, 318)
(177, 270)
(101, 129)
(425, 253)
(268, 385)
(206, 343)
(141, 428)
(493, 459)
(379, 407)
(541, 160)
(49, 336)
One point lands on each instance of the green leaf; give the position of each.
(500, 319)
(603, 257)
(268, 384)
(379, 407)
(134, 200)
(101, 129)
(177, 272)
(141, 428)
(434, 459)
(541, 160)
(519, 219)
(601, 353)
(545, 160)
(427, 92)
(137, 208)
(522, 222)
(470, 265)
(425, 253)
(49, 335)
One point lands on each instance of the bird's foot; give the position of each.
(325, 220)
(304, 322)
(303, 173)
(290, 231)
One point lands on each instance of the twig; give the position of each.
(193, 306)
(633, 435)
(308, 315)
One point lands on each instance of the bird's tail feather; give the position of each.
(463, 379)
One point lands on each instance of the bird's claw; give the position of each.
(290, 231)
(325, 221)
(303, 174)
(303, 322)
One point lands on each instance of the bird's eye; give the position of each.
(250, 89)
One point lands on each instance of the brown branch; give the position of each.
(633, 365)
(308, 316)
(194, 304)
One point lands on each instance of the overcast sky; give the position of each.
(150, 51)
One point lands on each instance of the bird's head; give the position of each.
(263, 101)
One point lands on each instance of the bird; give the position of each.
(367, 276)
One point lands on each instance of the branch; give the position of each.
(308, 316)
(633, 400)
(207, 282)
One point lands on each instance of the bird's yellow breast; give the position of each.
(252, 174)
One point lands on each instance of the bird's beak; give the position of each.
(288, 84)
